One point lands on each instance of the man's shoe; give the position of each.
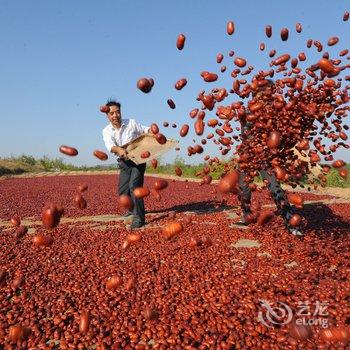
(127, 214)
(296, 232)
(136, 225)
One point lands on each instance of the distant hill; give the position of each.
(29, 164)
(12, 167)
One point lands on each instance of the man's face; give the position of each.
(114, 115)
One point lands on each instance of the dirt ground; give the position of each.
(240, 265)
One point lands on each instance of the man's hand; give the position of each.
(120, 152)
(123, 153)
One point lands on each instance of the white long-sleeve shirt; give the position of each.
(128, 131)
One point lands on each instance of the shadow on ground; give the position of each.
(321, 218)
(203, 207)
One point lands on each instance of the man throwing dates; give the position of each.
(116, 134)
(265, 170)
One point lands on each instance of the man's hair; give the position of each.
(113, 103)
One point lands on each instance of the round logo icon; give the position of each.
(274, 315)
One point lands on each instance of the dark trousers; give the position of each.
(274, 187)
(131, 176)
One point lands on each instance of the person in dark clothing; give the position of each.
(116, 134)
(267, 174)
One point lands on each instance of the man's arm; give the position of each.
(119, 151)
(111, 146)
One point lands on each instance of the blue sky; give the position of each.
(60, 60)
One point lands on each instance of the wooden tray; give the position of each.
(147, 142)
